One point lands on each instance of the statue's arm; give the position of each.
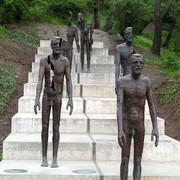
(39, 85)
(77, 40)
(117, 68)
(119, 113)
(152, 112)
(69, 86)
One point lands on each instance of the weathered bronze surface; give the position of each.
(132, 92)
(52, 70)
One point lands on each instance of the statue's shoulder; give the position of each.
(146, 80)
(124, 79)
(120, 46)
(44, 60)
(64, 59)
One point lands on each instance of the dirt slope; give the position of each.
(20, 58)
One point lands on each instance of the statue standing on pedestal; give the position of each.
(52, 70)
(132, 92)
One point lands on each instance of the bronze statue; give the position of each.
(123, 54)
(132, 91)
(55, 66)
(89, 43)
(72, 33)
(86, 39)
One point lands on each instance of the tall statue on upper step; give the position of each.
(52, 70)
(72, 33)
(123, 54)
(132, 92)
(86, 40)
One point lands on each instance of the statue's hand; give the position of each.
(156, 134)
(37, 104)
(121, 138)
(70, 104)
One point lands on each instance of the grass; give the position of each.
(169, 94)
(24, 35)
(1, 156)
(7, 85)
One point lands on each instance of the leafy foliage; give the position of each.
(61, 8)
(131, 13)
(15, 10)
(7, 85)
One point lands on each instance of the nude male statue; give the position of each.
(72, 33)
(55, 66)
(132, 91)
(123, 54)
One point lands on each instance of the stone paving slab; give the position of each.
(100, 170)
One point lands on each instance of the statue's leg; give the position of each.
(88, 56)
(69, 56)
(56, 134)
(138, 150)
(45, 127)
(125, 153)
(82, 54)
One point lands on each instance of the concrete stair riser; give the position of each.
(95, 59)
(95, 68)
(47, 43)
(31, 123)
(82, 147)
(95, 51)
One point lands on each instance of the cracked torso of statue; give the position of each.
(52, 71)
(132, 92)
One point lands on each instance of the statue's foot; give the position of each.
(82, 70)
(44, 163)
(54, 163)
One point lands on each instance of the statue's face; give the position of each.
(137, 65)
(128, 35)
(56, 45)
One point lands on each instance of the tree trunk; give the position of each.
(108, 25)
(96, 14)
(159, 16)
(171, 27)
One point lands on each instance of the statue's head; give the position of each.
(56, 44)
(128, 34)
(137, 63)
(70, 18)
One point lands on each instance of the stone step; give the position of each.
(94, 68)
(82, 78)
(27, 146)
(86, 170)
(77, 123)
(81, 105)
(79, 90)
(47, 43)
(26, 105)
(95, 51)
(95, 59)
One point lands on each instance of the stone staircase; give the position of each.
(88, 148)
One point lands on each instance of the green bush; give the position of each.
(1, 32)
(61, 8)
